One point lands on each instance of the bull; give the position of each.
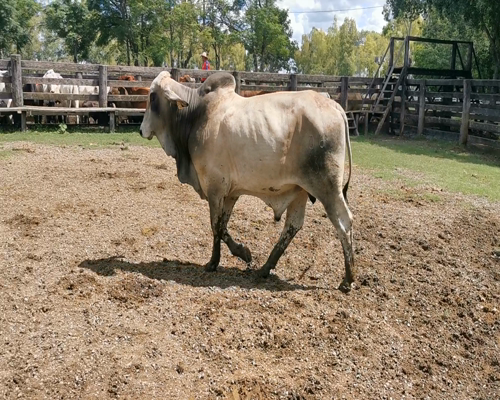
(282, 148)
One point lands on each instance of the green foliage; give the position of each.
(342, 51)
(478, 16)
(267, 36)
(16, 25)
(72, 21)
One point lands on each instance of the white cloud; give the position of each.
(369, 19)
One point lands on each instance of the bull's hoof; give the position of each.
(244, 253)
(264, 271)
(211, 266)
(345, 286)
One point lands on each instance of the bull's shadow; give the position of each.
(192, 274)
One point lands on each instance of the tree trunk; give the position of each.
(75, 54)
(128, 51)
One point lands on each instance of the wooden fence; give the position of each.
(347, 90)
(466, 110)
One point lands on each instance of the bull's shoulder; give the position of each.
(219, 80)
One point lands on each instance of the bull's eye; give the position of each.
(154, 102)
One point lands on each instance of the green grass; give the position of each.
(435, 163)
(93, 138)
(415, 162)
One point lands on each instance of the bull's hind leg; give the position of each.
(341, 217)
(293, 223)
(236, 249)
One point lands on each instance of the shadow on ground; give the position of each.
(192, 274)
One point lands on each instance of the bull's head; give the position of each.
(162, 103)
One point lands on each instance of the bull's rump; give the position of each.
(277, 139)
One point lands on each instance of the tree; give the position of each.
(267, 37)
(16, 24)
(479, 15)
(313, 56)
(73, 22)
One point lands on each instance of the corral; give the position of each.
(448, 103)
(103, 293)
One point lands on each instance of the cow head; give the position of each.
(163, 103)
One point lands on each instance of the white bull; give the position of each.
(281, 148)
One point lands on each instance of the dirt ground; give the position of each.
(103, 294)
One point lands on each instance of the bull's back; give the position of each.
(269, 139)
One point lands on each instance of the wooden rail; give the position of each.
(471, 111)
(432, 104)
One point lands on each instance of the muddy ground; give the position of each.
(103, 294)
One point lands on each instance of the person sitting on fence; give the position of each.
(206, 64)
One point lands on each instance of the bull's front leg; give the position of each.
(294, 220)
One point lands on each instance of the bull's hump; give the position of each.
(219, 80)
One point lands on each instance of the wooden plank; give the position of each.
(486, 97)
(433, 72)
(63, 110)
(437, 41)
(269, 88)
(64, 81)
(464, 129)
(487, 112)
(4, 64)
(306, 78)
(17, 80)
(5, 95)
(443, 107)
(128, 97)
(129, 70)
(59, 96)
(479, 141)
(444, 135)
(438, 82)
(5, 79)
(485, 83)
(263, 77)
(58, 66)
(126, 84)
(443, 121)
(482, 126)
(443, 95)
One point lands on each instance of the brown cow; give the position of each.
(130, 91)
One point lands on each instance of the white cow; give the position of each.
(5, 88)
(61, 89)
(282, 148)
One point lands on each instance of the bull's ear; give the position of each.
(174, 98)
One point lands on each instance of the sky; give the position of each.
(369, 19)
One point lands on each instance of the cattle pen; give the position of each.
(452, 106)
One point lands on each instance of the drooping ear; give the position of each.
(173, 97)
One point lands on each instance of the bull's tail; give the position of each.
(348, 143)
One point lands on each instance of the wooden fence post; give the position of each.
(293, 82)
(344, 87)
(17, 89)
(464, 129)
(421, 108)
(103, 86)
(17, 80)
(237, 78)
(174, 73)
